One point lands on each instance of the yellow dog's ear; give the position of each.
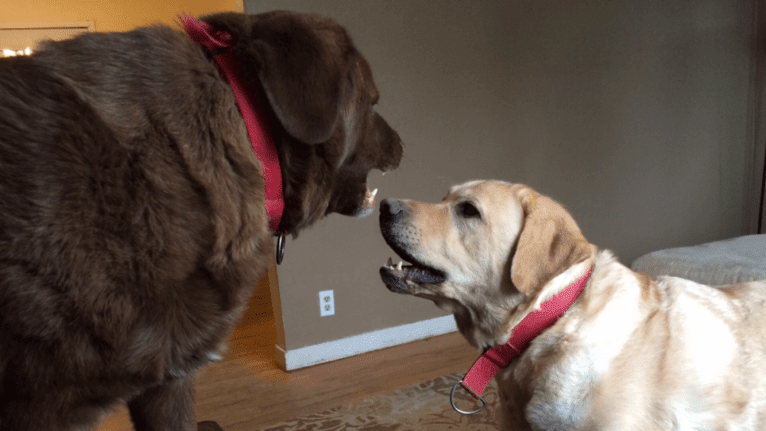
(548, 244)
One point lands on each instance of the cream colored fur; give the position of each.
(632, 353)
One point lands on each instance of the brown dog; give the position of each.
(630, 353)
(132, 215)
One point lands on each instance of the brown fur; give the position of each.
(132, 218)
(631, 353)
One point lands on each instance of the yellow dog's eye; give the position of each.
(467, 210)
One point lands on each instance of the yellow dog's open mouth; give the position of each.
(400, 277)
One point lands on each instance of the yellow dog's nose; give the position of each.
(390, 207)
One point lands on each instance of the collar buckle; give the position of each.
(465, 412)
(280, 245)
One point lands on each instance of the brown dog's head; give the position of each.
(489, 252)
(322, 100)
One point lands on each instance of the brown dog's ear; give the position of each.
(302, 63)
(549, 243)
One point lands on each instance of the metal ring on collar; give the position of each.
(452, 401)
(280, 246)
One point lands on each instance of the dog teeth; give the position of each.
(374, 192)
(390, 265)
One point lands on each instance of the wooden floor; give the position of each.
(248, 390)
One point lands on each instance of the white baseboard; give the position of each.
(293, 359)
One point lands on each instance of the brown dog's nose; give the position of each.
(390, 207)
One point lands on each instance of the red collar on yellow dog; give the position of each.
(492, 360)
(219, 44)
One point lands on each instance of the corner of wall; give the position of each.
(276, 304)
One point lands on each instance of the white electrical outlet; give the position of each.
(326, 303)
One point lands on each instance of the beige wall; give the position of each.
(110, 15)
(759, 101)
(634, 115)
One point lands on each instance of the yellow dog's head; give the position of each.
(487, 252)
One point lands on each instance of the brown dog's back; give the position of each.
(133, 222)
(114, 237)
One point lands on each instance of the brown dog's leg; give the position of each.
(165, 407)
(49, 414)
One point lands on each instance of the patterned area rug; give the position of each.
(421, 407)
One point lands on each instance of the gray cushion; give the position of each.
(716, 263)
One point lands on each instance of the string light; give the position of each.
(12, 53)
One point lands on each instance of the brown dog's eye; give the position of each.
(467, 210)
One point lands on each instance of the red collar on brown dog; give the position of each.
(219, 43)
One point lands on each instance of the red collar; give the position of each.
(492, 360)
(220, 44)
